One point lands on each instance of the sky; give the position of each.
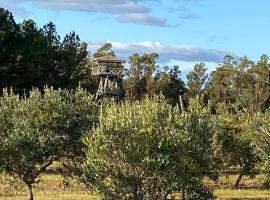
(183, 32)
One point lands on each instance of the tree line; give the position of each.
(34, 57)
(162, 140)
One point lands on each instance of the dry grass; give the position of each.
(227, 181)
(250, 188)
(50, 187)
(242, 194)
(53, 195)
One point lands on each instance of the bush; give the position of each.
(260, 128)
(41, 129)
(232, 141)
(149, 150)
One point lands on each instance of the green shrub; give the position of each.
(149, 150)
(232, 141)
(41, 129)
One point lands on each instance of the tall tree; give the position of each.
(220, 87)
(140, 79)
(34, 57)
(73, 54)
(196, 79)
(260, 94)
(169, 83)
(144, 79)
(52, 49)
(28, 72)
(9, 32)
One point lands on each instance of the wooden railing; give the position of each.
(103, 71)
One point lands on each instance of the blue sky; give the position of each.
(181, 31)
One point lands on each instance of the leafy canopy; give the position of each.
(149, 150)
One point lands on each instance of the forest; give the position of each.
(167, 139)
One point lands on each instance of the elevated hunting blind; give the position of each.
(110, 71)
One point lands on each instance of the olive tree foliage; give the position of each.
(149, 150)
(260, 126)
(260, 134)
(232, 142)
(41, 129)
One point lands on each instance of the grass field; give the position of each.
(50, 187)
(241, 194)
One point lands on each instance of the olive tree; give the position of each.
(232, 141)
(40, 129)
(260, 128)
(149, 150)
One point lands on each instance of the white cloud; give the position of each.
(142, 18)
(14, 7)
(127, 11)
(167, 53)
(108, 6)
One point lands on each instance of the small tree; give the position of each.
(149, 150)
(260, 127)
(41, 129)
(232, 141)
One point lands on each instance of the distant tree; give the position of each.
(149, 150)
(104, 50)
(28, 71)
(148, 62)
(50, 59)
(41, 129)
(136, 69)
(9, 32)
(220, 87)
(169, 83)
(244, 83)
(144, 79)
(134, 85)
(260, 84)
(34, 57)
(73, 55)
(196, 80)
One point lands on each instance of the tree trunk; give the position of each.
(236, 185)
(30, 192)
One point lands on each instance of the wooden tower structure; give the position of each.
(110, 71)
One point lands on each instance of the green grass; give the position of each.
(50, 187)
